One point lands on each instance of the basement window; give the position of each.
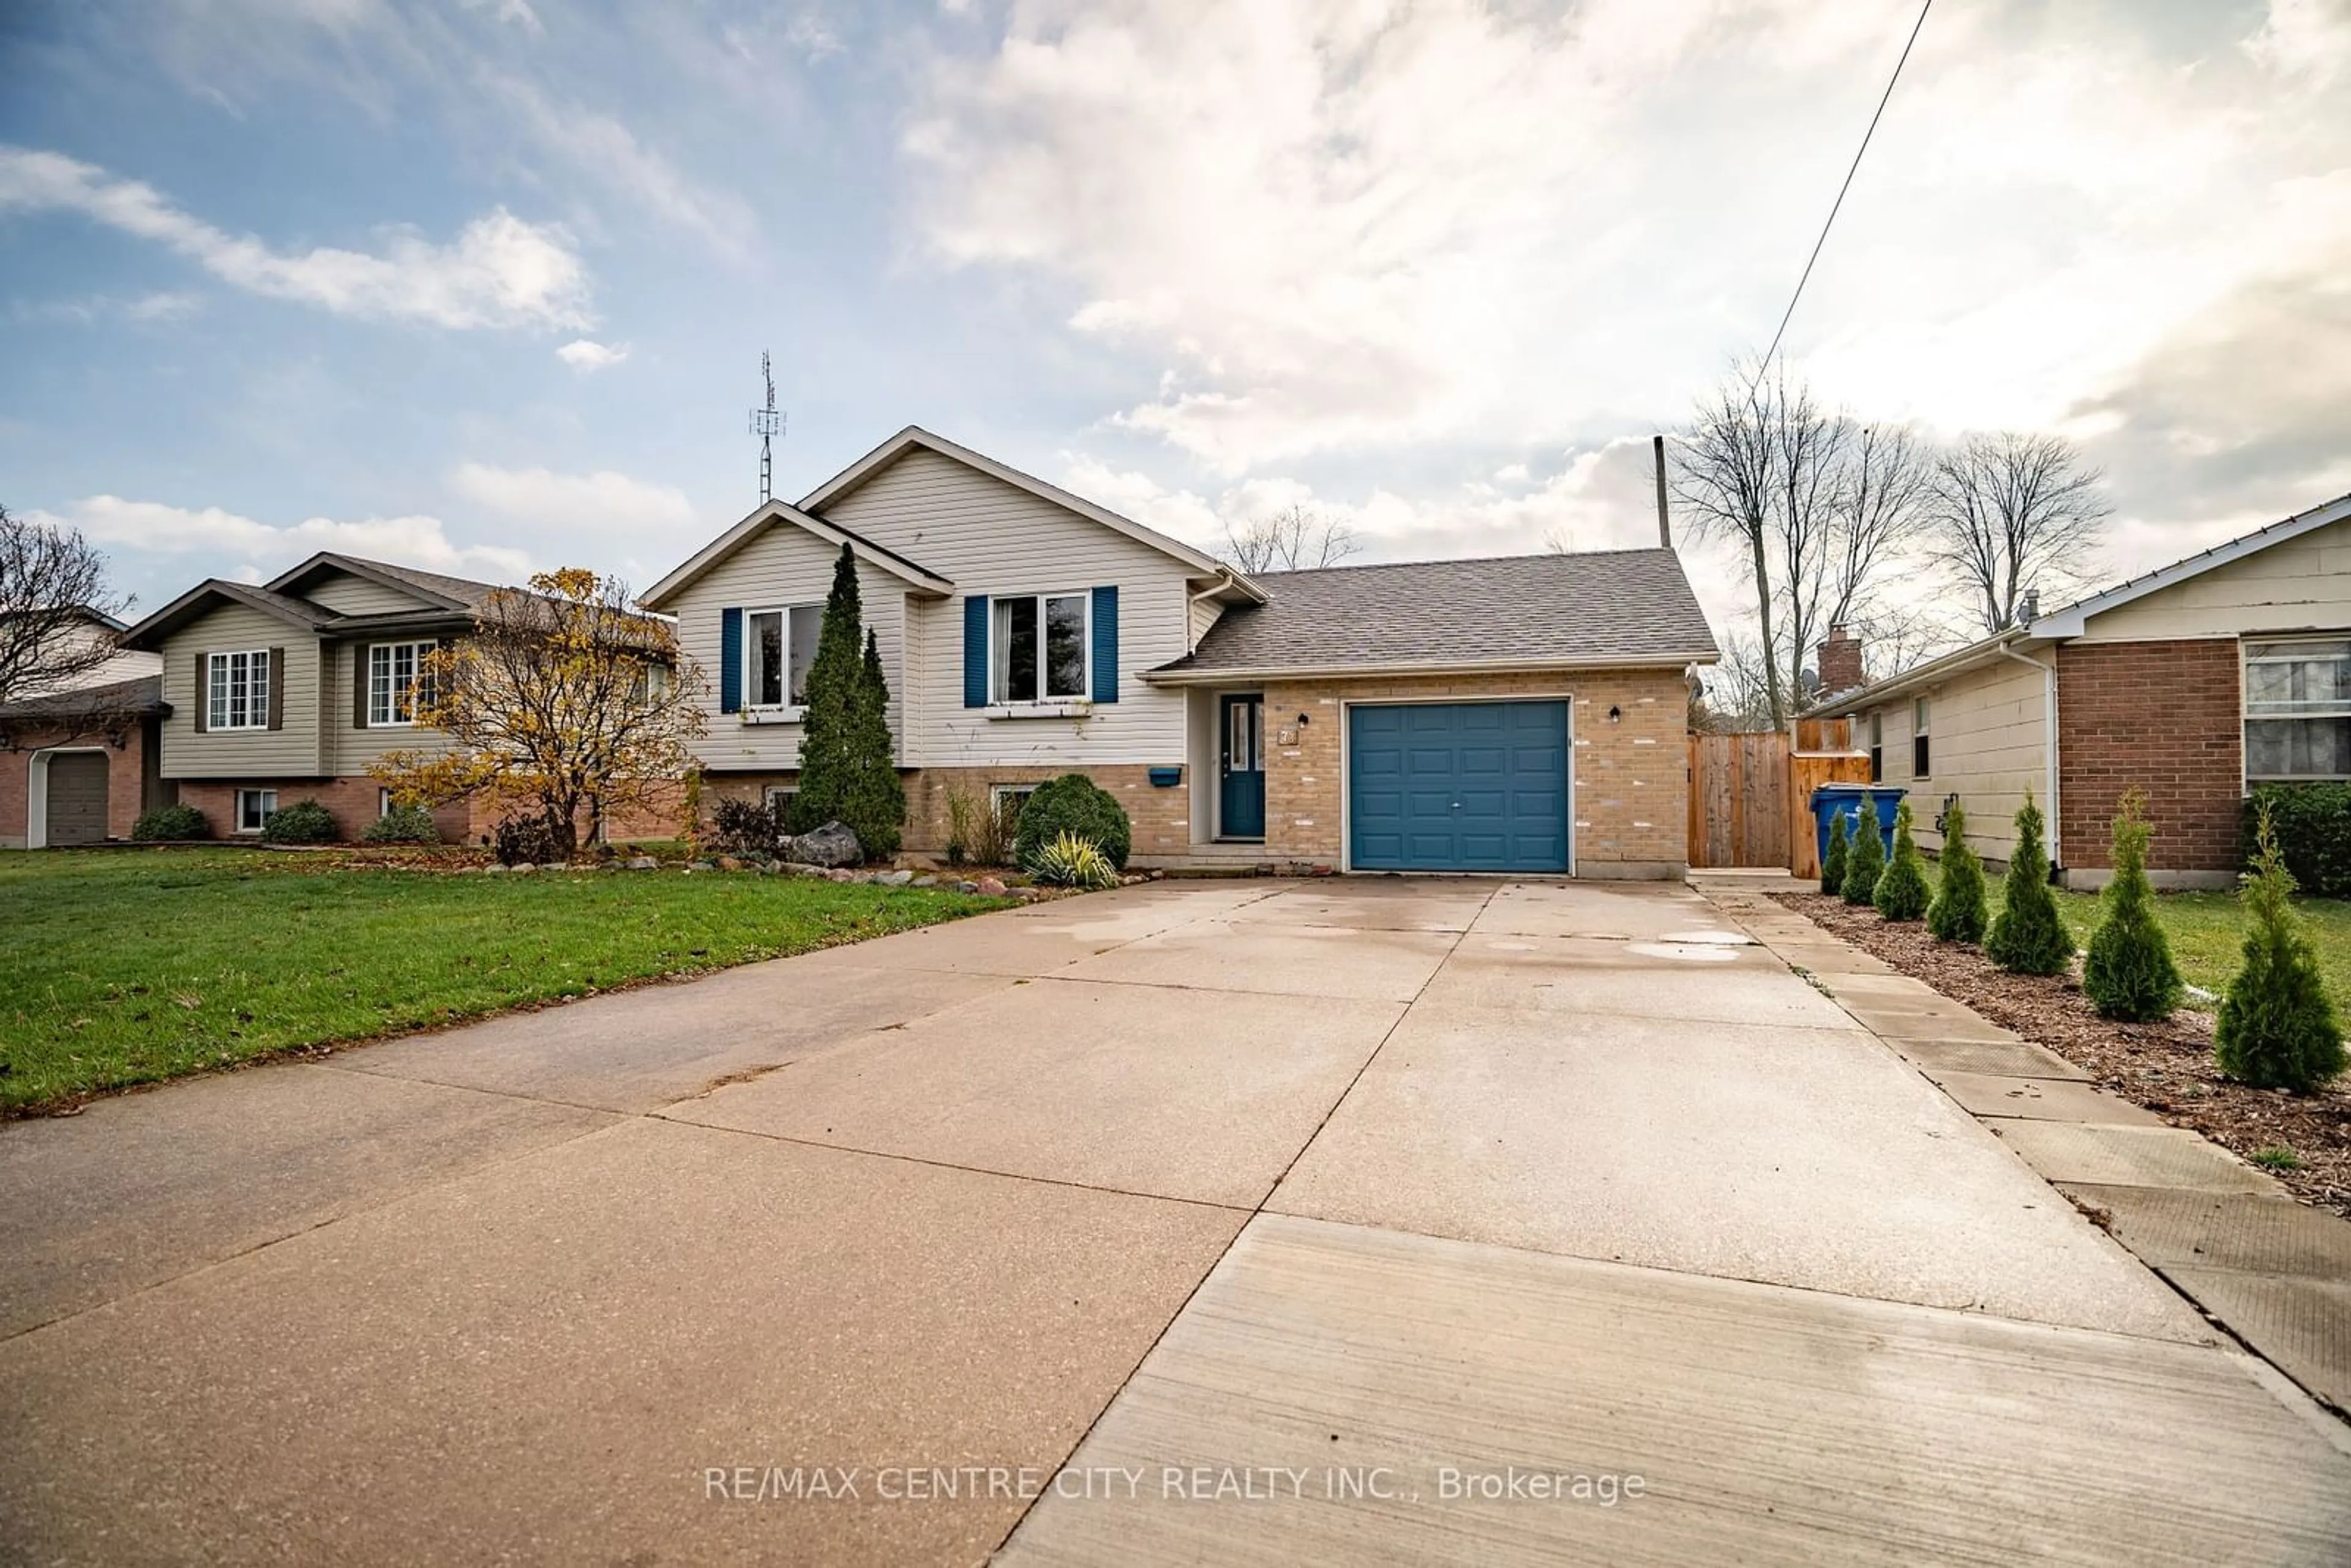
(253, 808)
(2297, 710)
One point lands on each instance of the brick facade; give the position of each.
(352, 801)
(1630, 775)
(131, 784)
(2166, 717)
(1160, 815)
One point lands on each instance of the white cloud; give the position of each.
(260, 550)
(603, 500)
(499, 272)
(2304, 41)
(587, 356)
(1358, 230)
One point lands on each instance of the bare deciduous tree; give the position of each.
(1738, 697)
(1823, 508)
(50, 578)
(1724, 478)
(2013, 512)
(1296, 538)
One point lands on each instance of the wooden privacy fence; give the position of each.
(1751, 795)
(1739, 800)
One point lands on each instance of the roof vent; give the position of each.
(2028, 608)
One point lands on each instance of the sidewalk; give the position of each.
(2272, 1271)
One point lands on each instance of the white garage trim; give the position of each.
(1346, 756)
(37, 792)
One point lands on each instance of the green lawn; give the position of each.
(2207, 931)
(121, 966)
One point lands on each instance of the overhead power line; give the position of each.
(1790, 313)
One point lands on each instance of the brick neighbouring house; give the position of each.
(1521, 714)
(78, 764)
(2193, 683)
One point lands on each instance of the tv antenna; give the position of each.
(767, 425)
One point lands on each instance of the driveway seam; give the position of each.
(1217, 1262)
(943, 1164)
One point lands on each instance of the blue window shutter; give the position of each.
(974, 650)
(730, 661)
(1106, 644)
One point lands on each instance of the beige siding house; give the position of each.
(1493, 716)
(2194, 683)
(288, 690)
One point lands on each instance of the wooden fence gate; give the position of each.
(1739, 805)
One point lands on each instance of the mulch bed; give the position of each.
(2166, 1067)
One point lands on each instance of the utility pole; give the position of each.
(767, 425)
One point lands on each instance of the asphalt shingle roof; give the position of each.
(138, 697)
(1594, 607)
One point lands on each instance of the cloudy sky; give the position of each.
(483, 285)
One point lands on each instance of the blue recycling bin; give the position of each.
(1850, 802)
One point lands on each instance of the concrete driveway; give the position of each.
(1294, 1219)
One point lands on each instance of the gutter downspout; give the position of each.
(2049, 746)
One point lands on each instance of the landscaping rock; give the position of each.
(834, 844)
(525, 869)
(989, 886)
(728, 862)
(702, 865)
(924, 882)
(494, 870)
(893, 878)
(643, 862)
(838, 875)
(800, 868)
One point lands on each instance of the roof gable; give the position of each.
(866, 468)
(210, 595)
(783, 513)
(429, 590)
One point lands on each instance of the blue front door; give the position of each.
(1458, 786)
(1242, 768)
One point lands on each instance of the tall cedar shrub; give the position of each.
(1832, 864)
(1958, 914)
(2277, 1027)
(2129, 974)
(1865, 858)
(847, 772)
(2029, 935)
(1902, 893)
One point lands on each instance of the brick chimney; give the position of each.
(1840, 662)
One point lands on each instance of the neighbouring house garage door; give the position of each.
(1458, 786)
(77, 798)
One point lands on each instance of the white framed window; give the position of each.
(238, 694)
(253, 808)
(397, 685)
(779, 646)
(1919, 751)
(1041, 649)
(2298, 710)
(1006, 800)
(383, 802)
(779, 798)
(1877, 745)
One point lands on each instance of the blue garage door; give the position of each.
(1458, 786)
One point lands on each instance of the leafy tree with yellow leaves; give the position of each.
(564, 704)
